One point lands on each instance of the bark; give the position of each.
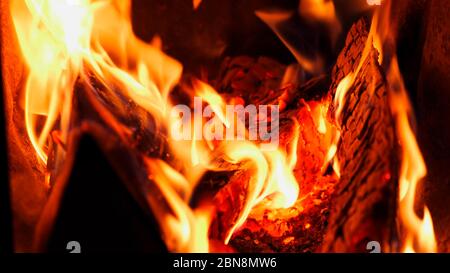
(364, 201)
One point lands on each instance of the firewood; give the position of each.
(364, 201)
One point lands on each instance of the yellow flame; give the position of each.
(322, 124)
(341, 91)
(209, 95)
(292, 149)
(322, 11)
(374, 2)
(418, 233)
(60, 33)
(184, 229)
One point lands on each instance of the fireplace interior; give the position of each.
(362, 93)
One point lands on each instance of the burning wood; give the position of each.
(328, 184)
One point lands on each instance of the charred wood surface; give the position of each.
(364, 201)
(98, 199)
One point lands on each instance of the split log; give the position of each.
(100, 198)
(364, 201)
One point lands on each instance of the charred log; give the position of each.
(364, 201)
(94, 202)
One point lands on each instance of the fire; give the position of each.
(418, 233)
(274, 20)
(292, 153)
(65, 41)
(341, 91)
(322, 11)
(60, 32)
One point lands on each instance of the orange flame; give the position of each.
(196, 3)
(62, 41)
(417, 234)
(322, 11)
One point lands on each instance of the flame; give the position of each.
(196, 4)
(65, 41)
(322, 11)
(417, 234)
(183, 230)
(210, 96)
(322, 124)
(341, 91)
(292, 151)
(274, 20)
(61, 34)
(271, 176)
(330, 132)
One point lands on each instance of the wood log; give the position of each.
(363, 205)
(364, 201)
(100, 198)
